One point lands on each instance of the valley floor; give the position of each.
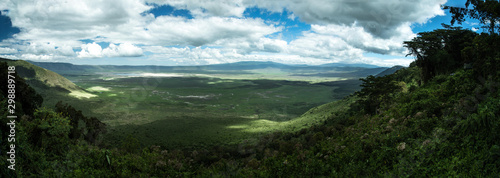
(179, 111)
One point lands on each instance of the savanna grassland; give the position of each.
(194, 107)
(195, 111)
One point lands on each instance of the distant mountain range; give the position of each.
(389, 71)
(325, 70)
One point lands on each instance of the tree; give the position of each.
(49, 131)
(440, 51)
(376, 91)
(485, 54)
(81, 126)
(485, 51)
(486, 11)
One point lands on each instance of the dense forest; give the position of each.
(437, 117)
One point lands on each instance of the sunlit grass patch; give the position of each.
(220, 81)
(161, 75)
(255, 116)
(98, 89)
(81, 94)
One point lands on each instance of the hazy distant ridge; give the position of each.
(327, 70)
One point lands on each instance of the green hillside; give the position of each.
(52, 86)
(389, 71)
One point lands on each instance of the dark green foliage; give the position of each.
(81, 126)
(49, 132)
(28, 73)
(27, 100)
(486, 11)
(131, 144)
(440, 51)
(447, 127)
(375, 91)
(485, 55)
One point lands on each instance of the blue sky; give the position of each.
(198, 32)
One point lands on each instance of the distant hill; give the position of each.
(325, 70)
(59, 66)
(349, 65)
(246, 65)
(389, 71)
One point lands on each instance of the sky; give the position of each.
(201, 32)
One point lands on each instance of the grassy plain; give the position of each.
(187, 107)
(199, 110)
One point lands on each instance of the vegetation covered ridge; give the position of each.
(50, 85)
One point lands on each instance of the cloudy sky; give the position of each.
(196, 32)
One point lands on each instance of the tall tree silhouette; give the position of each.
(486, 11)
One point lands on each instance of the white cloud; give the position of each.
(291, 17)
(167, 30)
(324, 47)
(202, 8)
(37, 48)
(386, 62)
(193, 56)
(378, 17)
(94, 50)
(272, 45)
(7, 50)
(70, 20)
(122, 50)
(91, 50)
(66, 50)
(34, 57)
(245, 46)
(359, 38)
(341, 30)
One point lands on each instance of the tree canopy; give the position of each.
(486, 11)
(440, 51)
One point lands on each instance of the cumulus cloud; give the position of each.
(207, 7)
(361, 39)
(341, 30)
(70, 20)
(324, 47)
(121, 21)
(166, 30)
(378, 17)
(122, 50)
(49, 48)
(203, 56)
(91, 50)
(386, 62)
(94, 50)
(244, 46)
(7, 50)
(34, 57)
(66, 50)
